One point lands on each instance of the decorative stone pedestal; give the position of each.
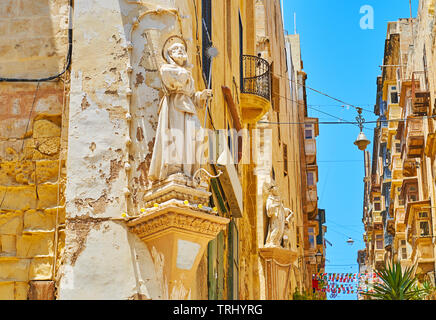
(278, 263)
(177, 234)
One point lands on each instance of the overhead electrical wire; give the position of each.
(332, 229)
(346, 122)
(334, 116)
(312, 107)
(323, 93)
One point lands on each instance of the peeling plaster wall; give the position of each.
(122, 265)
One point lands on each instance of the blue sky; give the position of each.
(342, 60)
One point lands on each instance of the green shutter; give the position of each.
(211, 268)
(220, 265)
(233, 268)
(216, 268)
(218, 195)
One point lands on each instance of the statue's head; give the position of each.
(175, 51)
(178, 54)
(271, 188)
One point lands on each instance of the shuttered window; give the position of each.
(285, 159)
(233, 279)
(275, 93)
(206, 9)
(216, 268)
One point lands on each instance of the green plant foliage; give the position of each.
(307, 296)
(398, 284)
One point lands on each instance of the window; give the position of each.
(398, 147)
(423, 215)
(298, 237)
(403, 250)
(275, 84)
(241, 50)
(311, 232)
(308, 132)
(206, 10)
(404, 253)
(278, 128)
(379, 244)
(285, 159)
(216, 268)
(377, 204)
(393, 95)
(424, 228)
(310, 179)
(233, 280)
(229, 30)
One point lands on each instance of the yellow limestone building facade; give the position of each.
(80, 90)
(399, 214)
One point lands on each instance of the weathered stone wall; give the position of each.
(32, 173)
(34, 44)
(34, 38)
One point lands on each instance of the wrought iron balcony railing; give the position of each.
(256, 76)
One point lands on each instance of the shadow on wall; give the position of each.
(34, 38)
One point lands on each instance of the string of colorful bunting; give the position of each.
(345, 283)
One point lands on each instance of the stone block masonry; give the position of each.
(34, 39)
(32, 173)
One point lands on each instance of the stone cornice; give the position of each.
(172, 217)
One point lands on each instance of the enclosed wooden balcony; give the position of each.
(375, 183)
(409, 194)
(255, 88)
(310, 150)
(377, 219)
(420, 103)
(396, 167)
(400, 214)
(421, 242)
(409, 167)
(394, 113)
(311, 202)
(414, 137)
(379, 255)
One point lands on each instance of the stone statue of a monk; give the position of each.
(276, 212)
(179, 139)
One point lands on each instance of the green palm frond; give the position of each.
(397, 285)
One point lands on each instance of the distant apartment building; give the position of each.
(399, 209)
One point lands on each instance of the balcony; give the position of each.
(414, 134)
(409, 167)
(430, 148)
(422, 247)
(377, 220)
(311, 202)
(255, 88)
(394, 113)
(375, 183)
(379, 255)
(397, 167)
(400, 225)
(421, 103)
(310, 150)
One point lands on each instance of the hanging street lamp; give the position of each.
(350, 241)
(361, 142)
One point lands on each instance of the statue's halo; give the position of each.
(169, 42)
